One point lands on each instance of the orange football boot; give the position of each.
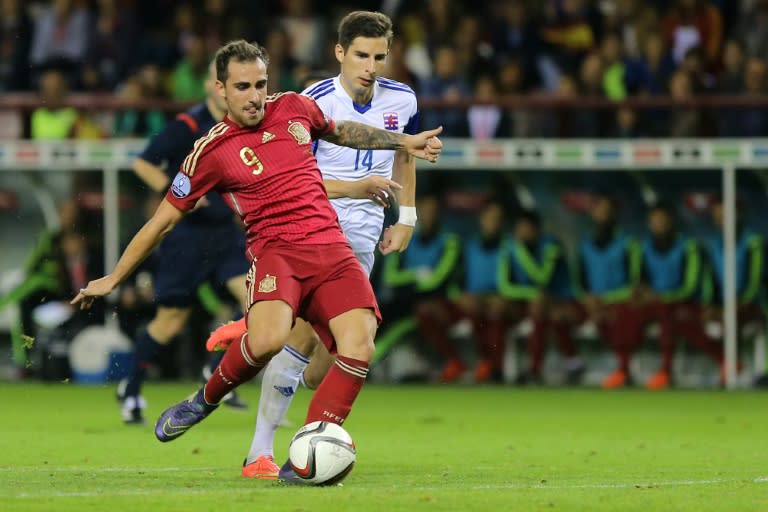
(615, 380)
(222, 338)
(484, 371)
(659, 381)
(263, 468)
(452, 371)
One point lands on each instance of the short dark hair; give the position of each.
(663, 207)
(364, 24)
(530, 216)
(239, 51)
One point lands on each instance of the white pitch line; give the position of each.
(87, 469)
(518, 487)
(624, 485)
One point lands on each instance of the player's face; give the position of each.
(491, 220)
(659, 223)
(245, 91)
(363, 61)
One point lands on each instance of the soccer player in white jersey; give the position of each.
(359, 183)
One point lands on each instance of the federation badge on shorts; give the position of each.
(268, 284)
(181, 186)
(299, 132)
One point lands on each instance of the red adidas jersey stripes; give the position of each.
(267, 174)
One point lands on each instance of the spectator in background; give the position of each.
(627, 124)
(534, 270)
(473, 51)
(305, 29)
(187, 26)
(752, 122)
(614, 74)
(671, 285)
(513, 81)
(608, 273)
(694, 23)
(650, 73)
(487, 121)
(632, 20)
(15, 41)
(683, 121)
(282, 66)
(731, 79)
(61, 38)
(54, 120)
(491, 314)
(113, 42)
(561, 123)
(224, 22)
(188, 76)
(133, 122)
(515, 38)
(586, 122)
(572, 28)
(752, 29)
(425, 277)
(694, 63)
(446, 83)
(434, 26)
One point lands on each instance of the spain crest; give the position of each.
(268, 284)
(299, 133)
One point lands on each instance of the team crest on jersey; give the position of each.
(268, 284)
(391, 121)
(299, 133)
(249, 158)
(266, 137)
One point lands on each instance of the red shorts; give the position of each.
(319, 282)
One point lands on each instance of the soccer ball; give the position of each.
(322, 453)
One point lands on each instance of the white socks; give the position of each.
(279, 384)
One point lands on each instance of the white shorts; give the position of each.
(366, 259)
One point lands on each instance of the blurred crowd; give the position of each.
(444, 49)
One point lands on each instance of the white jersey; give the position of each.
(393, 107)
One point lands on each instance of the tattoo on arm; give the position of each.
(362, 136)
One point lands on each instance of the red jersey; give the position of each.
(267, 174)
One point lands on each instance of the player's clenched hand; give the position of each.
(376, 188)
(425, 145)
(396, 238)
(94, 290)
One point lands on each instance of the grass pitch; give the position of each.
(63, 448)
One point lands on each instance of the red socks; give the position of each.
(334, 397)
(237, 366)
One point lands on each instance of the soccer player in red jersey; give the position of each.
(260, 159)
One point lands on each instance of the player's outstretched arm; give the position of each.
(424, 145)
(142, 244)
(378, 189)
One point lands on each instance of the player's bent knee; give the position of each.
(266, 343)
(361, 348)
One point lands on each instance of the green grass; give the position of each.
(62, 448)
